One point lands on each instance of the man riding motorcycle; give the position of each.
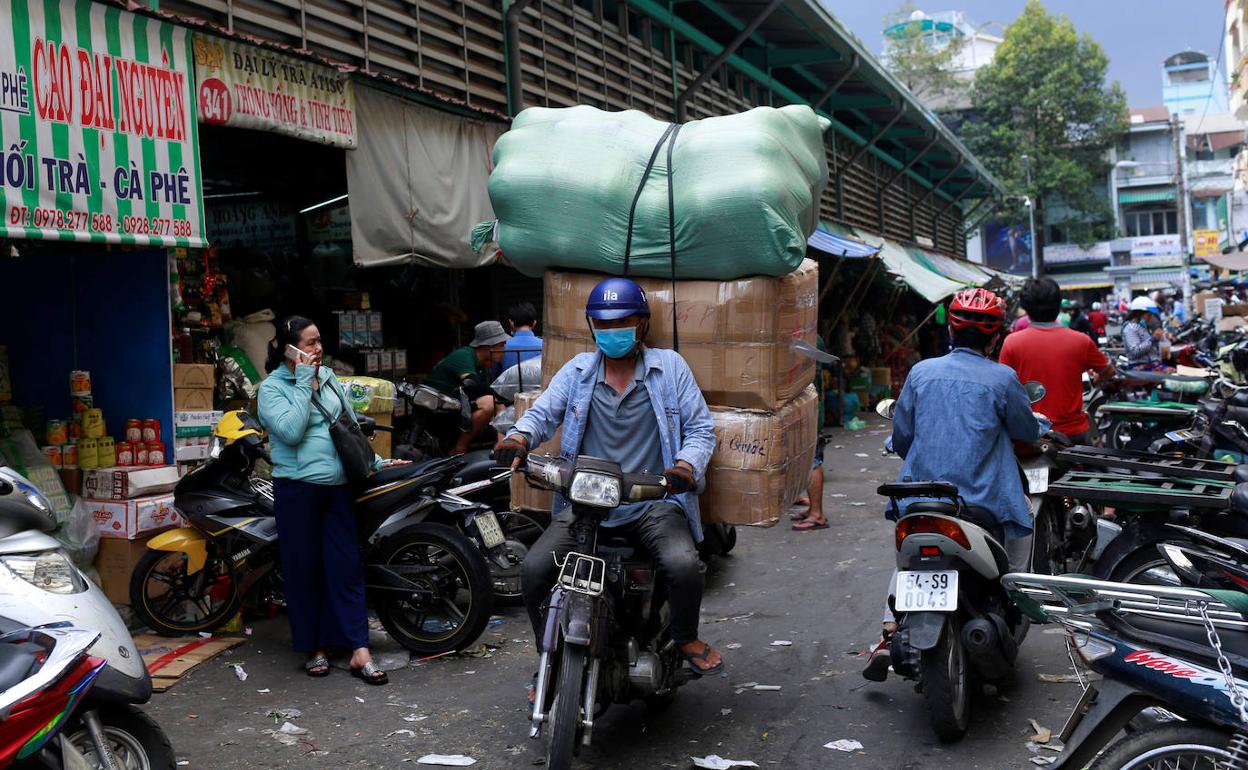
(1056, 357)
(640, 407)
(954, 421)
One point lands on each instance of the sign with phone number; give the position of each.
(98, 132)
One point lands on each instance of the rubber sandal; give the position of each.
(369, 672)
(799, 516)
(809, 525)
(318, 662)
(690, 657)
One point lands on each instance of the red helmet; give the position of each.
(979, 308)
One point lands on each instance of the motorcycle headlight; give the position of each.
(52, 571)
(596, 489)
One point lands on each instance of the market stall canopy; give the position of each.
(827, 239)
(925, 281)
(416, 184)
(1145, 279)
(1235, 260)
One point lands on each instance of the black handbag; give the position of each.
(354, 450)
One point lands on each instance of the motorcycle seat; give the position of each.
(16, 663)
(1239, 398)
(1233, 642)
(404, 472)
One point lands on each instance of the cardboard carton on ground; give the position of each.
(736, 335)
(194, 376)
(130, 519)
(1227, 324)
(168, 660)
(192, 399)
(125, 483)
(115, 562)
(761, 462)
(1199, 298)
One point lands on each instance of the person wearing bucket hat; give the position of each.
(468, 369)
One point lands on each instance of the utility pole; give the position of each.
(1030, 200)
(1180, 194)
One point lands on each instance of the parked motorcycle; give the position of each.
(41, 585)
(1169, 648)
(605, 636)
(44, 674)
(426, 555)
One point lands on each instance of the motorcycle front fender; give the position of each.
(577, 618)
(185, 540)
(1087, 732)
(925, 629)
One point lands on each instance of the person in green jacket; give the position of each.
(468, 369)
(314, 506)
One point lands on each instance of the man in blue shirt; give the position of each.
(639, 407)
(955, 420)
(524, 344)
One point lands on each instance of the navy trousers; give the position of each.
(321, 567)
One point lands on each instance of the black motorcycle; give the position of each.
(605, 636)
(426, 554)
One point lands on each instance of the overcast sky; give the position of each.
(1136, 34)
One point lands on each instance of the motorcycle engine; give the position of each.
(646, 675)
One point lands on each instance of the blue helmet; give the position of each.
(616, 298)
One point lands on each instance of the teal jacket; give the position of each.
(299, 436)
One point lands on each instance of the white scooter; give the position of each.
(40, 586)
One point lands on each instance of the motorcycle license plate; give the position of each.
(1183, 435)
(1037, 480)
(491, 533)
(927, 591)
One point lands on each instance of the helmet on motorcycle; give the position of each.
(616, 298)
(1146, 304)
(237, 425)
(978, 308)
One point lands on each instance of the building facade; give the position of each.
(1191, 83)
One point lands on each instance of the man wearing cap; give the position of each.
(468, 368)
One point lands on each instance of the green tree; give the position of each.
(921, 60)
(1045, 96)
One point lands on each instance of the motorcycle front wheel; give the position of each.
(565, 714)
(136, 740)
(947, 686)
(1185, 745)
(452, 589)
(173, 603)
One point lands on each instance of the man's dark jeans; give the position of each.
(663, 531)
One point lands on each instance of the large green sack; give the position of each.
(747, 191)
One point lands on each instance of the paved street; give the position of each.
(822, 591)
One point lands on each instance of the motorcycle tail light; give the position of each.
(1090, 649)
(929, 550)
(931, 525)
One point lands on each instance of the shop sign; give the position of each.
(327, 225)
(251, 223)
(1155, 246)
(1207, 242)
(98, 139)
(249, 87)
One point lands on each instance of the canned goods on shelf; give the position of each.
(93, 423)
(79, 382)
(134, 430)
(151, 430)
(69, 456)
(53, 453)
(58, 432)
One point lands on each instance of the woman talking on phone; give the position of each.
(314, 505)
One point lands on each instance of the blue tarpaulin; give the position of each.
(839, 245)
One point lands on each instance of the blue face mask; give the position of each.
(616, 343)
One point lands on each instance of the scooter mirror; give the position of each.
(886, 407)
(1035, 391)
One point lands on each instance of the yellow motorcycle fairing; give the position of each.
(185, 540)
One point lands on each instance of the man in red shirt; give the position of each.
(1098, 319)
(1055, 356)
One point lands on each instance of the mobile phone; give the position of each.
(295, 354)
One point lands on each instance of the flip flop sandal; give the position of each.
(690, 657)
(370, 673)
(809, 525)
(799, 516)
(317, 666)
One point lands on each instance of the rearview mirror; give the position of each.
(1035, 391)
(886, 407)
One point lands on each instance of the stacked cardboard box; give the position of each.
(523, 496)
(737, 337)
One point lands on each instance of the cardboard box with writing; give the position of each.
(131, 519)
(192, 399)
(115, 562)
(383, 441)
(736, 335)
(127, 483)
(761, 462)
